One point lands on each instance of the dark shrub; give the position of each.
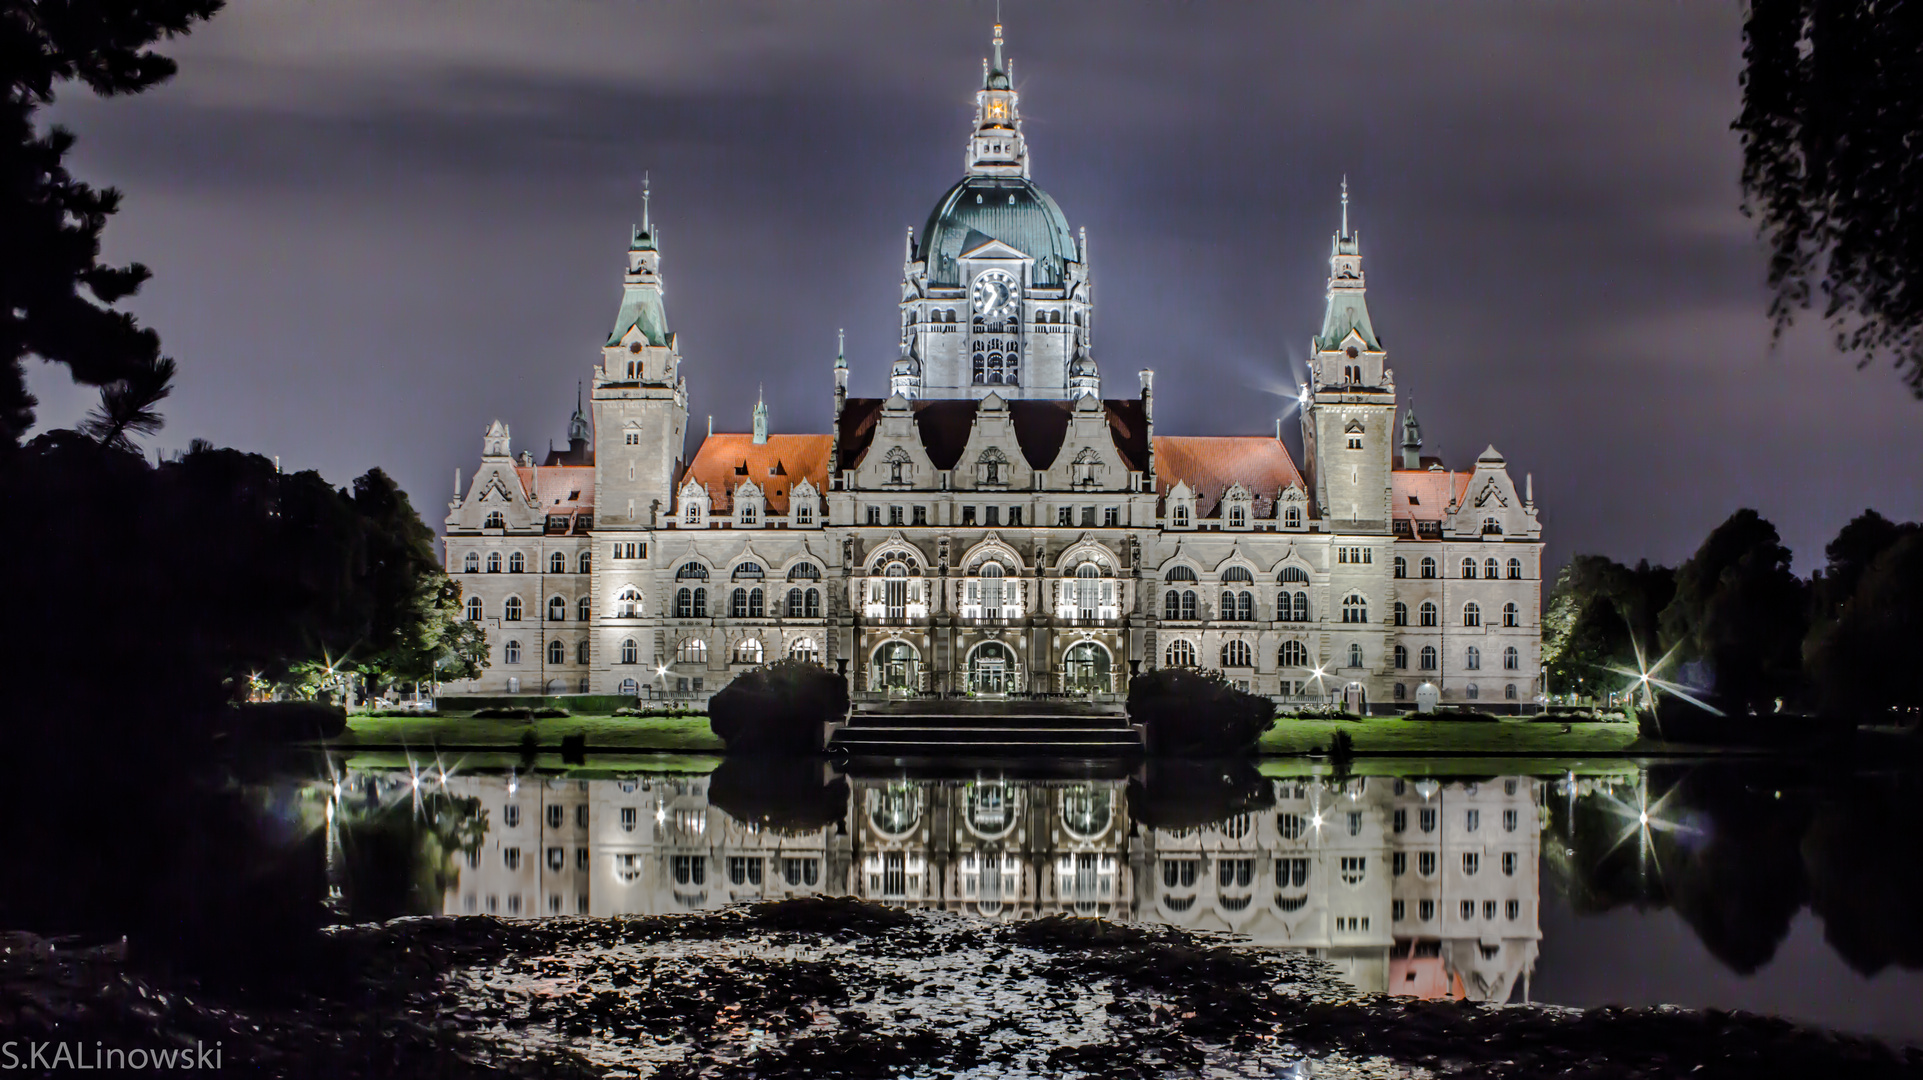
(779, 709)
(549, 713)
(503, 714)
(1190, 713)
(788, 796)
(286, 721)
(1191, 792)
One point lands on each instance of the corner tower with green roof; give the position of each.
(995, 290)
(1348, 406)
(640, 398)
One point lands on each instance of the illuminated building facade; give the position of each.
(996, 524)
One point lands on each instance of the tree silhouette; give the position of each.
(1832, 169)
(56, 298)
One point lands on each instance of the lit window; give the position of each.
(557, 563)
(1355, 609)
(1181, 654)
(630, 652)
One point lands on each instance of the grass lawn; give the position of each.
(627, 734)
(1428, 738)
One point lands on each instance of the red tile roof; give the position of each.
(724, 461)
(1425, 494)
(1211, 464)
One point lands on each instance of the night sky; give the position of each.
(375, 226)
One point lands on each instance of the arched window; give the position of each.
(1294, 654)
(1188, 604)
(794, 603)
(511, 652)
(1472, 614)
(627, 603)
(1511, 659)
(811, 604)
(749, 570)
(630, 652)
(1355, 609)
(1355, 655)
(1426, 615)
(1428, 658)
(1172, 605)
(1401, 657)
(511, 610)
(585, 564)
(1509, 692)
(1401, 567)
(1180, 573)
(557, 653)
(581, 653)
(991, 594)
(805, 571)
(1181, 654)
(684, 603)
(804, 649)
(1515, 569)
(1468, 568)
(557, 563)
(1472, 692)
(1428, 567)
(1294, 575)
(557, 609)
(495, 520)
(700, 603)
(738, 604)
(1237, 573)
(473, 609)
(582, 609)
(691, 651)
(1299, 607)
(1237, 654)
(629, 688)
(691, 571)
(1239, 607)
(748, 651)
(493, 562)
(471, 564)
(1511, 615)
(1491, 569)
(757, 609)
(1401, 613)
(1473, 659)
(516, 563)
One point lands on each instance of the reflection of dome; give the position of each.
(1085, 811)
(1006, 208)
(894, 809)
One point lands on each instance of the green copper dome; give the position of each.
(1006, 208)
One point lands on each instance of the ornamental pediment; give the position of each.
(992, 250)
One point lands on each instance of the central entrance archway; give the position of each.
(991, 668)
(1085, 669)
(897, 667)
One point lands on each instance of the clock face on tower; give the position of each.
(995, 294)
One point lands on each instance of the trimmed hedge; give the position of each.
(598, 704)
(1189, 713)
(782, 708)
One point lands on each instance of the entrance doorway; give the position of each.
(897, 667)
(1085, 669)
(991, 669)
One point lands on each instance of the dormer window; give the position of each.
(1352, 373)
(691, 514)
(1180, 518)
(1355, 442)
(1292, 517)
(1238, 517)
(804, 515)
(747, 513)
(495, 520)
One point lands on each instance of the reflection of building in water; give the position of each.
(1411, 887)
(995, 848)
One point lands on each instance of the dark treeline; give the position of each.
(1745, 633)
(1737, 854)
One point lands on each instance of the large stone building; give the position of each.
(997, 524)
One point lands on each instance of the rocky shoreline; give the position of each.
(839, 988)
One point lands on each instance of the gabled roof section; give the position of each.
(1211, 464)
(1425, 494)
(723, 462)
(1041, 426)
(641, 310)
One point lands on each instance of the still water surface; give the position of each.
(1763, 887)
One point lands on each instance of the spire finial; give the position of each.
(644, 201)
(998, 65)
(841, 349)
(1345, 204)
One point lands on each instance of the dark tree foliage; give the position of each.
(56, 298)
(1600, 613)
(1867, 629)
(1740, 616)
(200, 574)
(1832, 131)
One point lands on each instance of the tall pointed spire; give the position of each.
(1348, 310)
(761, 418)
(841, 350)
(579, 433)
(997, 147)
(1345, 204)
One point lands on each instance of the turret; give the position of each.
(997, 147)
(761, 419)
(1411, 439)
(640, 400)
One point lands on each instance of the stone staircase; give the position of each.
(974, 728)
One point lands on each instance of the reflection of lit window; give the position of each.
(1290, 825)
(627, 819)
(1471, 862)
(1354, 868)
(627, 867)
(1425, 910)
(1509, 863)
